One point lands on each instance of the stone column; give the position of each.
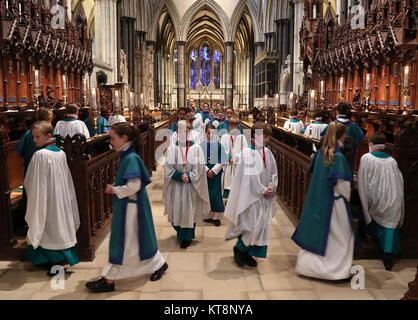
(181, 88)
(229, 69)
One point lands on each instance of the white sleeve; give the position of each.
(206, 169)
(86, 132)
(217, 167)
(129, 189)
(363, 189)
(343, 188)
(274, 178)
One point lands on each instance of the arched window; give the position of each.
(193, 69)
(205, 64)
(217, 69)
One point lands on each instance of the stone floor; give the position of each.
(206, 270)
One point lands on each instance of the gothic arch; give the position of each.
(215, 8)
(158, 9)
(236, 18)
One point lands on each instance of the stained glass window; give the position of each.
(217, 69)
(205, 58)
(193, 69)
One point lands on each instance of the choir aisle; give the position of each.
(206, 270)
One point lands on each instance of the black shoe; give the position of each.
(208, 220)
(217, 222)
(157, 275)
(100, 286)
(250, 261)
(238, 257)
(184, 244)
(388, 261)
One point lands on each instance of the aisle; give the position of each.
(206, 270)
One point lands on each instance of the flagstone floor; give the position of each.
(206, 270)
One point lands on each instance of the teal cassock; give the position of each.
(102, 126)
(47, 257)
(130, 167)
(312, 232)
(353, 131)
(214, 154)
(26, 148)
(173, 127)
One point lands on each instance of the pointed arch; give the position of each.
(240, 9)
(159, 8)
(210, 5)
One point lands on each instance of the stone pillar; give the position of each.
(229, 70)
(181, 87)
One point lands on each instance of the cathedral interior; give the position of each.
(268, 59)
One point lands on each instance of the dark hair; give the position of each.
(209, 126)
(125, 129)
(378, 138)
(319, 114)
(71, 109)
(261, 126)
(191, 109)
(232, 108)
(344, 108)
(44, 114)
(348, 148)
(294, 113)
(182, 109)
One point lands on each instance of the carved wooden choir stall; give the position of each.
(43, 66)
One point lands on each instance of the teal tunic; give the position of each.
(186, 234)
(131, 166)
(215, 153)
(102, 126)
(205, 115)
(353, 131)
(41, 256)
(26, 148)
(389, 239)
(312, 231)
(173, 127)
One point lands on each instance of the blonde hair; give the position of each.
(44, 126)
(183, 124)
(335, 131)
(234, 120)
(44, 114)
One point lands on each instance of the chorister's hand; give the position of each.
(269, 193)
(185, 178)
(232, 160)
(210, 174)
(109, 189)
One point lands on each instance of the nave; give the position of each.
(206, 270)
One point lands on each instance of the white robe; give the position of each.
(132, 266)
(293, 126)
(229, 169)
(381, 190)
(249, 212)
(70, 128)
(337, 262)
(52, 211)
(186, 203)
(116, 119)
(314, 130)
(194, 136)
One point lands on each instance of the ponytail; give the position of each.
(335, 131)
(133, 133)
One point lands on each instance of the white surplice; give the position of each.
(132, 266)
(233, 149)
(314, 130)
(52, 211)
(116, 119)
(70, 128)
(337, 262)
(293, 126)
(249, 212)
(185, 203)
(381, 190)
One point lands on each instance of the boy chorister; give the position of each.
(252, 201)
(185, 193)
(234, 143)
